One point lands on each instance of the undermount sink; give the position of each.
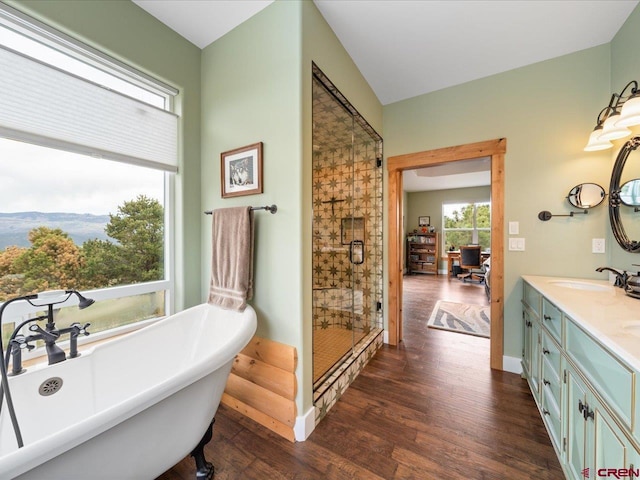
(577, 285)
(632, 328)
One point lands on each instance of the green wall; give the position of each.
(320, 45)
(257, 87)
(128, 33)
(430, 203)
(546, 112)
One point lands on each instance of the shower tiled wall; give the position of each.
(347, 205)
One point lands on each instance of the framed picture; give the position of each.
(351, 229)
(242, 171)
(424, 221)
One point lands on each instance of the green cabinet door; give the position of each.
(531, 353)
(596, 446)
(612, 450)
(576, 431)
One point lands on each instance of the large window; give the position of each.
(88, 147)
(466, 224)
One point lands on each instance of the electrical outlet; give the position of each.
(597, 245)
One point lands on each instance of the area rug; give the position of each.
(461, 318)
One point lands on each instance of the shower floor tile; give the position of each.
(329, 346)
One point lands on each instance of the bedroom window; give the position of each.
(466, 224)
(88, 149)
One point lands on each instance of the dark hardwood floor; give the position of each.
(428, 409)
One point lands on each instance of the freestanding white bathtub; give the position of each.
(127, 409)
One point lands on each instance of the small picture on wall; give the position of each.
(424, 221)
(242, 171)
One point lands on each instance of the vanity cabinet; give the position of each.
(587, 396)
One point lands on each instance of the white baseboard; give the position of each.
(512, 364)
(305, 424)
(385, 337)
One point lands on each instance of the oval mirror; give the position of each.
(619, 214)
(586, 195)
(630, 193)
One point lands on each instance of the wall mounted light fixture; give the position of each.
(623, 111)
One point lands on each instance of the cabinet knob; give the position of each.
(546, 412)
(545, 351)
(581, 406)
(546, 382)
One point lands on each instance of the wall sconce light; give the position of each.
(623, 111)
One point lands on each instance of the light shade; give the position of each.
(630, 113)
(595, 143)
(610, 131)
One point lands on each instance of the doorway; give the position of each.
(395, 166)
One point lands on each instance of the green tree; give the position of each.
(138, 227)
(101, 264)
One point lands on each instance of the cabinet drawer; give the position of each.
(552, 319)
(551, 352)
(551, 417)
(612, 379)
(551, 381)
(532, 298)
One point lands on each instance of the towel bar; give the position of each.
(270, 208)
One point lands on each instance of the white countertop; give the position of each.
(603, 313)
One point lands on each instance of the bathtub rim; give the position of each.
(22, 460)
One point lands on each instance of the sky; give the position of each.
(34, 178)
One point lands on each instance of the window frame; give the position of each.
(42, 33)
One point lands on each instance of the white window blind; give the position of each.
(43, 105)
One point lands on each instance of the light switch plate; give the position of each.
(516, 244)
(514, 228)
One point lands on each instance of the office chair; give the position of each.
(470, 261)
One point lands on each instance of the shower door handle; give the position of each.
(356, 252)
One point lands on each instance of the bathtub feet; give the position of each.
(204, 469)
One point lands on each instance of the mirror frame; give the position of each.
(617, 227)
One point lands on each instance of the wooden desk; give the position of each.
(455, 255)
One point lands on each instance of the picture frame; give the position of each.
(424, 221)
(351, 228)
(241, 171)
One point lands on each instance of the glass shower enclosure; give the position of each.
(347, 229)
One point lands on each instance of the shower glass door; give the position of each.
(347, 229)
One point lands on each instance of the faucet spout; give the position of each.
(621, 278)
(54, 353)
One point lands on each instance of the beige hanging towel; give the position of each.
(232, 258)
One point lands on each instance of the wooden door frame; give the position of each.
(395, 166)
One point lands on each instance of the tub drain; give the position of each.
(50, 386)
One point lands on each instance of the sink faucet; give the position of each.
(621, 278)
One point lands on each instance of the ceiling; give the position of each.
(406, 48)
